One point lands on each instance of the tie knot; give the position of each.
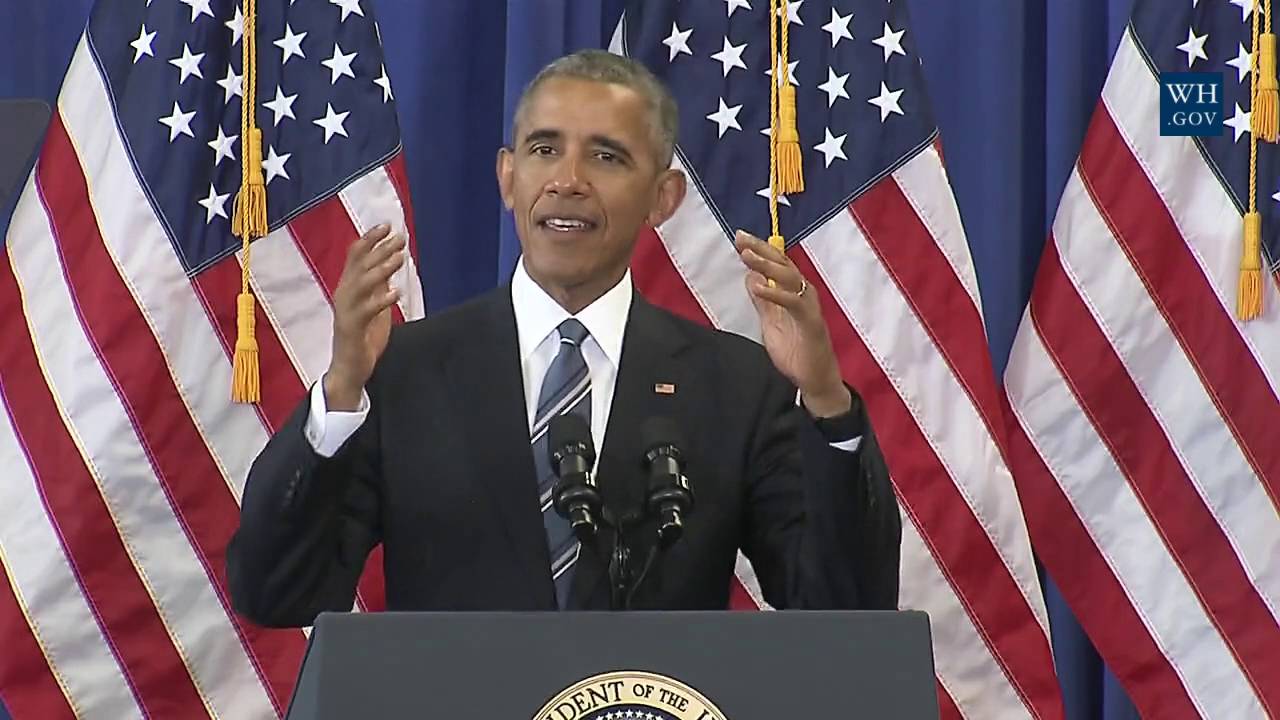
(573, 332)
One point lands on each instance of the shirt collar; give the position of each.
(538, 315)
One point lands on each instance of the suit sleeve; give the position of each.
(824, 531)
(307, 524)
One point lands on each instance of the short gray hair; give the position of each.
(606, 67)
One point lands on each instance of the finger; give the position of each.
(357, 283)
(780, 270)
(365, 242)
(364, 307)
(389, 249)
(765, 266)
(379, 303)
(752, 279)
(379, 253)
(376, 277)
(370, 250)
(746, 241)
(788, 299)
(782, 277)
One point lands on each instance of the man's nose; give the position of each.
(568, 178)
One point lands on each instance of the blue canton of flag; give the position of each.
(1218, 37)
(860, 115)
(174, 70)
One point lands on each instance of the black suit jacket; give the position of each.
(442, 474)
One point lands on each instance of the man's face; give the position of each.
(581, 180)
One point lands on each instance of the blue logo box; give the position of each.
(1191, 104)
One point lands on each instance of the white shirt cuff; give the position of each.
(327, 431)
(850, 445)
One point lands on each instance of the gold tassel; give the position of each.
(249, 219)
(250, 216)
(1249, 298)
(790, 157)
(1266, 113)
(1249, 291)
(245, 385)
(790, 162)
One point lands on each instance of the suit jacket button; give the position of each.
(291, 492)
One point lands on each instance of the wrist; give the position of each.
(828, 401)
(340, 394)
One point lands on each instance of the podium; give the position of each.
(606, 666)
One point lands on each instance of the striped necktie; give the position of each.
(566, 388)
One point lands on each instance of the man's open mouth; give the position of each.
(567, 224)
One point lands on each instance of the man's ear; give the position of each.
(672, 186)
(506, 176)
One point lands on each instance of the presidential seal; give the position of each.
(629, 696)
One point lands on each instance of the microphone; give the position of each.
(576, 496)
(669, 496)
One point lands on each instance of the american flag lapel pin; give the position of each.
(664, 388)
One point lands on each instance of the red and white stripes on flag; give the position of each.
(900, 295)
(124, 458)
(1144, 419)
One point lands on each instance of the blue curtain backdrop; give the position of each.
(1013, 84)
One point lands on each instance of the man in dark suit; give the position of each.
(431, 438)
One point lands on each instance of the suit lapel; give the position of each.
(649, 358)
(485, 371)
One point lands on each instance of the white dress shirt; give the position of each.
(537, 319)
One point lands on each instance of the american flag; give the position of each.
(1143, 411)
(878, 234)
(123, 455)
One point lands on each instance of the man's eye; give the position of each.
(542, 150)
(607, 156)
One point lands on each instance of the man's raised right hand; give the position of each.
(362, 315)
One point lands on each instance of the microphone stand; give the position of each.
(621, 574)
(624, 582)
(619, 569)
(654, 553)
